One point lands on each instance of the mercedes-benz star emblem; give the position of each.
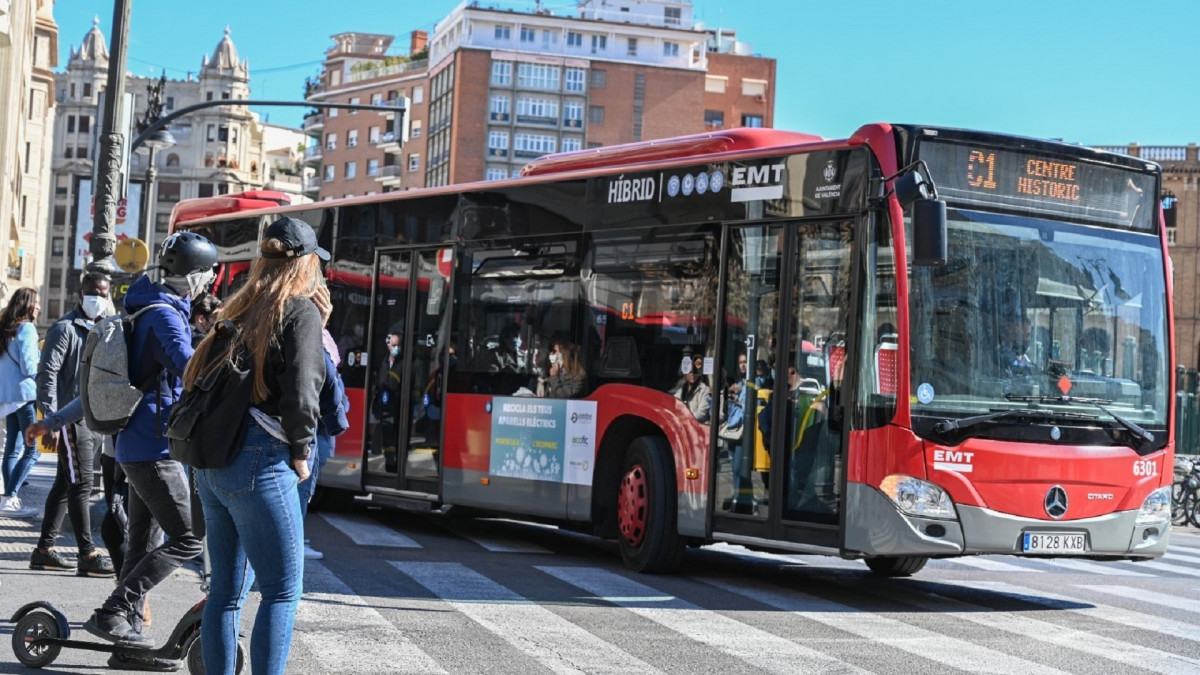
(1056, 502)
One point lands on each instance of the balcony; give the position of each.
(312, 185)
(389, 175)
(313, 155)
(313, 124)
(390, 144)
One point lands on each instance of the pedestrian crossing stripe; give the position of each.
(553, 641)
(1187, 604)
(365, 531)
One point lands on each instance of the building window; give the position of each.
(331, 141)
(373, 167)
(574, 79)
(493, 173)
(85, 124)
(672, 16)
(208, 96)
(332, 112)
(418, 94)
(376, 99)
(60, 214)
(574, 39)
(351, 170)
(58, 246)
(373, 135)
(528, 35)
(222, 188)
(631, 49)
(499, 107)
(596, 114)
(571, 143)
(352, 138)
(70, 124)
(87, 89)
(714, 118)
(56, 277)
(752, 120)
(170, 103)
(537, 107)
(162, 222)
(754, 87)
(670, 49)
(573, 112)
(549, 39)
(81, 152)
(599, 44)
(599, 79)
(168, 191)
(329, 173)
(354, 101)
(173, 160)
(204, 190)
(498, 140)
(414, 162)
(503, 33)
(715, 84)
(72, 89)
(414, 130)
(534, 143)
(537, 76)
(502, 73)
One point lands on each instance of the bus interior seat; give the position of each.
(619, 359)
(835, 359)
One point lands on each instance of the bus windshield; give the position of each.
(1040, 313)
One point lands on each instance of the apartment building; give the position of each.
(493, 88)
(28, 55)
(216, 151)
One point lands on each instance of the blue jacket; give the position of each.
(159, 350)
(19, 365)
(334, 404)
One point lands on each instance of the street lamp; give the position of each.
(158, 140)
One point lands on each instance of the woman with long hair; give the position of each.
(18, 391)
(251, 506)
(567, 377)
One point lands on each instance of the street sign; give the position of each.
(132, 254)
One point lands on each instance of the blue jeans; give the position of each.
(18, 463)
(252, 515)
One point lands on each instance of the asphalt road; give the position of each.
(404, 593)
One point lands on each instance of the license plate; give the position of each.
(1054, 542)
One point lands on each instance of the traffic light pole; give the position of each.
(108, 173)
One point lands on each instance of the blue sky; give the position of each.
(1097, 72)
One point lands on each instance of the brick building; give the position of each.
(493, 88)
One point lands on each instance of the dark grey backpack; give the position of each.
(108, 393)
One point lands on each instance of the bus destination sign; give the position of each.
(1015, 179)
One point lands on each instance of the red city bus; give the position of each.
(954, 343)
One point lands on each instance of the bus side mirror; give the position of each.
(929, 233)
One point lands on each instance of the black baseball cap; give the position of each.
(297, 236)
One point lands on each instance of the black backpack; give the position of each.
(207, 425)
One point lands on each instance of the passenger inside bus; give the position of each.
(501, 366)
(695, 392)
(567, 377)
(387, 399)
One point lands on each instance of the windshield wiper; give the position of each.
(946, 426)
(1145, 437)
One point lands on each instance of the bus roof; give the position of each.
(710, 143)
(195, 209)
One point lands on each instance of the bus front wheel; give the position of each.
(646, 498)
(897, 566)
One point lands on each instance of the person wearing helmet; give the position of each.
(160, 347)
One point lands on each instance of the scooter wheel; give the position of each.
(30, 627)
(194, 657)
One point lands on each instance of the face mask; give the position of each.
(198, 282)
(93, 306)
(396, 350)
(555, 359)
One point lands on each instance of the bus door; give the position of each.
(409, 314)
(786, 310)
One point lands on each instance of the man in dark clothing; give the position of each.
(78, 447)
(159, 348)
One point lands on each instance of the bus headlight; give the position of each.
(1156, 508)
(917, 497)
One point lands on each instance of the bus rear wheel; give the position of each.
(646, 498)
(897, 566)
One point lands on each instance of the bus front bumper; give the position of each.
(875, 527)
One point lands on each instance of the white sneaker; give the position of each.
(12, 508)
(311, 553)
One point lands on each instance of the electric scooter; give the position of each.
(42, 631)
